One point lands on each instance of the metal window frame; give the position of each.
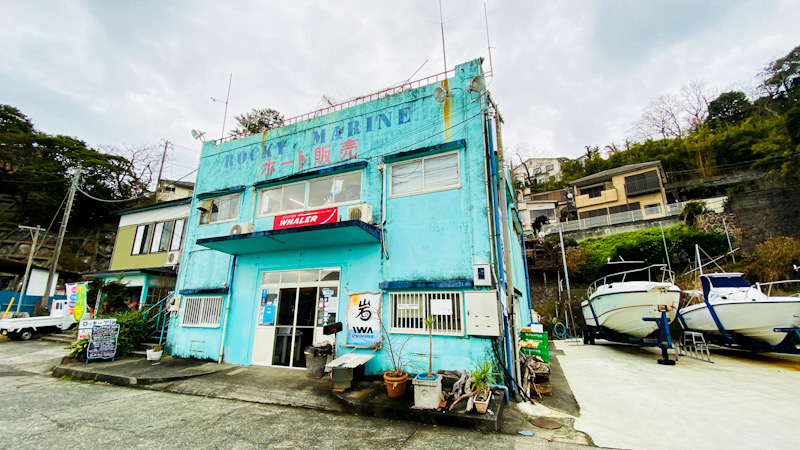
(443, 327)
(196, 310)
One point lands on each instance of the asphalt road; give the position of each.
(38, 411)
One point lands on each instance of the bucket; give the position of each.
(315, 365)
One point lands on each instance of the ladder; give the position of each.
(694, 344)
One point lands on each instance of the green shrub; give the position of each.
(690, 212)
(135, 327)
(773, 260)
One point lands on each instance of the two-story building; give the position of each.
(378, 213)
(539, 170)
(147, 250)
(637, 189)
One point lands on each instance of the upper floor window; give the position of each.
(433, 173)
(331, 191)
(594, 191)
(158, 237)
(549, 167)
(221, 209)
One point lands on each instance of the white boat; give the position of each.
(626, 293)
(742, 309)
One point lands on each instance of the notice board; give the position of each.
(103, 343)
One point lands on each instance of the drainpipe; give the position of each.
(497, 237)
(527, 277)
(506, 255)
(227, 311)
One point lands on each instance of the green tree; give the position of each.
(258, 121)
(730, 108)
(781, 82)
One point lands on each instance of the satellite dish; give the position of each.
(477, 84)
(439, 94)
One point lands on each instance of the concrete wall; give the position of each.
(765, 214)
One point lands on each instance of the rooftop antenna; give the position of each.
(441, 23)
(226, 104)
(488, 43)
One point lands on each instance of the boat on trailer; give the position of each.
(628, 300)
(737, 313)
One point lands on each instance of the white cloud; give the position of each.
(567, 74)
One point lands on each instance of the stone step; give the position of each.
(58, 338)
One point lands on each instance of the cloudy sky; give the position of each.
(567, 74)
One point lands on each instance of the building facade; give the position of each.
(147, 250)
(378, 214)
(637, 189)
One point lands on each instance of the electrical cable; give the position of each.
(109, 201)
(510, 377)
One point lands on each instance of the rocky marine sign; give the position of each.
(316, 147)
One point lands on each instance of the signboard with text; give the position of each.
(76, 295)
(103, 343)
(85, 326)
(364, 319)
(305, 218)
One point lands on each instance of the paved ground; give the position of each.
(38, 411)
(742, 400)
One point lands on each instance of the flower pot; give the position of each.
(427, 392)
(153, 355)
(482, 405)
(395, 386)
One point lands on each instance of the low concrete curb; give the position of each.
(118, 380)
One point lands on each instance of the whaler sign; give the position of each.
(304, 219)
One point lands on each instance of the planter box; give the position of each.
(427, 393)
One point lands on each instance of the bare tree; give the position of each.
(670, 115)
(144, 164)
(696, 96)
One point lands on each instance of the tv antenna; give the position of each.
(441, 24)
(226, 104)
(488, 42)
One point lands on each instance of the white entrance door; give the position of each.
(293, 307)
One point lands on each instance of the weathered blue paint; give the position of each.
(220, 192)
(447, 284)
(432, 239)
(214, 291)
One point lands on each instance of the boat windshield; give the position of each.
(729, 282)
(619, 271)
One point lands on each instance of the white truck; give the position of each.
(23, 328)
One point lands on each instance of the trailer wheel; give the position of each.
(591, 337)
(25, 335)
(585, 337)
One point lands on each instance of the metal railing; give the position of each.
(667, 276)
(163, 315)
(642, 186)
(671, 209)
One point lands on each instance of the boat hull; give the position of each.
(621, 307)
(753, 319)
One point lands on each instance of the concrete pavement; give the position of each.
(267, 386)
(742, 400)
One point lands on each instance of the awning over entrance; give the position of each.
(348, 232)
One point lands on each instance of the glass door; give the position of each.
(297, 308)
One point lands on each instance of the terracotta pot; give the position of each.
(395, 386)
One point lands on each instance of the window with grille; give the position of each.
(409, 310)
(201, 312)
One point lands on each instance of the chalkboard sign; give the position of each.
(103, 343)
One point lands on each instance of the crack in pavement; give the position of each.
(405, 441)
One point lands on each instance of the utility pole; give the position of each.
(46, 296)
(35, 233)
(161, 169)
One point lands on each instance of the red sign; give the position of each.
(306, 218)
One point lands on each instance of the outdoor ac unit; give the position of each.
(205, 205)
(243, 228)
(173, 259)
(362, 212)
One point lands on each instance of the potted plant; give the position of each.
(428, 387)
(155, 353)
(397, 377)
(481, 380)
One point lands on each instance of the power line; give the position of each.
(109, 201)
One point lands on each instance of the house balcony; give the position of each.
(609, 195)
(641, 187)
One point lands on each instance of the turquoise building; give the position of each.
(378, 213)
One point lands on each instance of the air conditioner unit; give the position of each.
(362, 212)
(173, 259)
(243, 228)
(205, 205)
